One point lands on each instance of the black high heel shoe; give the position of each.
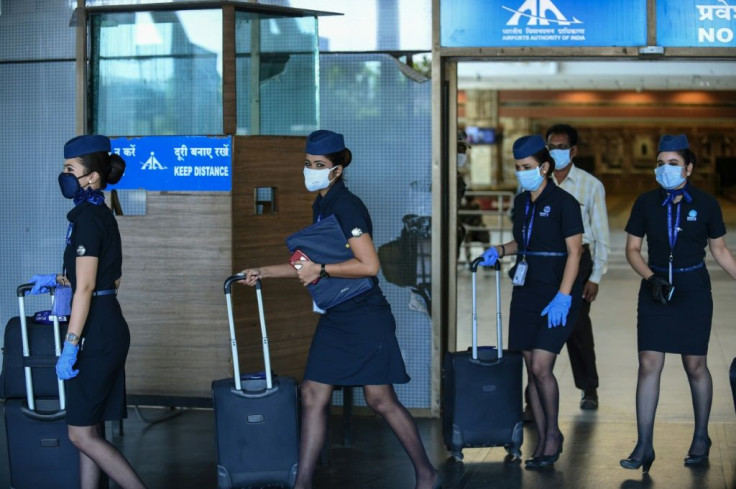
(545, 460)
(693, 460)
(634, 463)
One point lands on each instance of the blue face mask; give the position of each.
(69, 184)
(530, 179)
(669, 176)
(561, 157)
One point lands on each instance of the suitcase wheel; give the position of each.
(457, 455)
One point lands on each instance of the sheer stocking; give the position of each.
(651, 364)
(315, 400)
(701, 388)
(97, 454)
(382, 399)
(548, 394)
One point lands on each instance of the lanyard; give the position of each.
(672, 232)
(526, 231)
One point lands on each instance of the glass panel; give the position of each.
(385, 114)
(157, 73)
(370, 25)
(280, 95)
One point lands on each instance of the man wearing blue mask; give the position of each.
(562, 143)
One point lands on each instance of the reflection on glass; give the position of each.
(277, 82)
(157, 72)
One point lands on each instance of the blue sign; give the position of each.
(543, 23)
(696, 23)
(176, 163)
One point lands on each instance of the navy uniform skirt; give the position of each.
(97, 394)
(682, 326)
(528, 328)
(355, 344)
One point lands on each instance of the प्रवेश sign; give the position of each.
(175, 163)
(696, 23)
(543, 23)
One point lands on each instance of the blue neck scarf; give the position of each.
(671, 194)
(94, 197)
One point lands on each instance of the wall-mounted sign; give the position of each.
(183, 163)
(696, 23)
(543, 23)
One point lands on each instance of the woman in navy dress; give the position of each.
(97, 340)
(548, 243)
(355, 341)
(679, 221)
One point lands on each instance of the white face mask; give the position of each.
(462, 160)
(316, 180)
(561, 157)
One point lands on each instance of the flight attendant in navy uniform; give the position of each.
(679, 221)
(96, 344)
(355, 341)
(548, 246)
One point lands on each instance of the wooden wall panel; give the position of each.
(175, 259)
(271, 161)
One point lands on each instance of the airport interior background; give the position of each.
(374, 86)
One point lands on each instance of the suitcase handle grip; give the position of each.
(255, 394)
(22, 289)
(234, 278)
(476, 262)
(487, 363)
(43, 417)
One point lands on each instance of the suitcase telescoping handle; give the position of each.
(499, 320)
(21, 292)
(233, 341)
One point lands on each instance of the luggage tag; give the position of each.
(316, 309)
(62, 307)
(520, 274)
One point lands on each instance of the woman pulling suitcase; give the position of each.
(548, 235)
(355, 341)
(97, 340)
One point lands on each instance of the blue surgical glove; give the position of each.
(490, 257)
(557, 310)
(66, 361)
(41, 283)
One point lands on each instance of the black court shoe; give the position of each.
(694, 460)
(635, 463)
(545, 460)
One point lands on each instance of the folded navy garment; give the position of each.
(324, 242)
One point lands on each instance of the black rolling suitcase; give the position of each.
(256, 419)
(482, 396)
(39, 451)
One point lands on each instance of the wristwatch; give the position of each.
(323, 273)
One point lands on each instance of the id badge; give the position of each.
(520, 274)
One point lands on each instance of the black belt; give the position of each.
(98, 293)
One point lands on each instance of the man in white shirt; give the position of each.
(562, 143)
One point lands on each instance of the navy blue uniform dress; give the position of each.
(683, 325)
(355, 341)
(556, 216)
(97, 394)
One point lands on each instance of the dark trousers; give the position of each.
(580, 344)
